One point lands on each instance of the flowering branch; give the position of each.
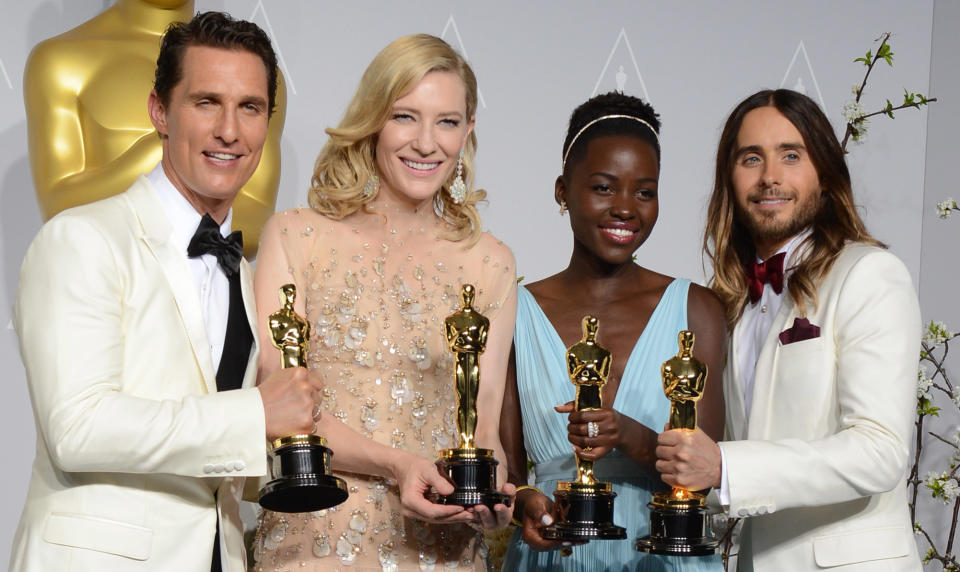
(944, 485)
(858, 119)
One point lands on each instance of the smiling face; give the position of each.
(612, 197)
(214, 127)
(775, 183)
(418, 146)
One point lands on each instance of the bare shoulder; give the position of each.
(701, 300)
(299, 219)
(496, 249)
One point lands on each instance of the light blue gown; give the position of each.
(543, 382)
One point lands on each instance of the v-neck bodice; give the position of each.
(543, 381)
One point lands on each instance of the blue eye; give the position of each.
(402, 117)
(450, 122)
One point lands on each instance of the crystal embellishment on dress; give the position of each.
(321, 546)
(275, 535)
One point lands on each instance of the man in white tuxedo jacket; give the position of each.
(821, 367)
(132, 312)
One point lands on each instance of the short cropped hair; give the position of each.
(215, 30)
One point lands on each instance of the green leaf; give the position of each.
(885, 52)
(889, 111)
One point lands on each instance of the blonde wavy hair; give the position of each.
(347, 160)
(727, 242)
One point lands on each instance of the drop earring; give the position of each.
(563, 207)
(458, 189)
(371, 187)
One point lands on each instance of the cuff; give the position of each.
(724, 492)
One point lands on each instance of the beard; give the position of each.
(766, 227)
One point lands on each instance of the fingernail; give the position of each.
(546, 519)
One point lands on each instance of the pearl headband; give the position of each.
(563, 166)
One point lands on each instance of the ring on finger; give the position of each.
(593, 429)
(316, 412)
(314, 428)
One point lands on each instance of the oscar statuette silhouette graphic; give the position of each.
(585, 506)
(299, 464)
(677, 518)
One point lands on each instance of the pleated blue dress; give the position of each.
(543, 382)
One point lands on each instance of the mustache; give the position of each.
(772, 193)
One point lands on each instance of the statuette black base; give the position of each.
(473, 473)
(678, 531)
(585, 512)
(300, 467)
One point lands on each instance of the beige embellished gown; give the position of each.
(376, 294)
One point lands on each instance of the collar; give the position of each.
(184, 219)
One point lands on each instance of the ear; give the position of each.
(466, 135)
(560, 191)
(158, 113)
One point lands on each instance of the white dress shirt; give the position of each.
(213, 289)
(753, 328)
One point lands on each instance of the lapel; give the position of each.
(157, 236)
(765, 374)
(249, 304)
(733, 391)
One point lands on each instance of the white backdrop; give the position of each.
(535, 61)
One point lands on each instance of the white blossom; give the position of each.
(950, 490)
(853, 110)
(855, 89)
(923, 384)
(944, 208)
(936, 333)
(955, 395)
(942, 486)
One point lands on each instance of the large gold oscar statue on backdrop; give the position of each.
(89, 135)
(677, 518)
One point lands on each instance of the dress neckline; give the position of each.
(625, 377)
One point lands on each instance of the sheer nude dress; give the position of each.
(376, 293)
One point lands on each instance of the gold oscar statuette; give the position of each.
(585, 506)
(473, 471)
(677, 518)
(299, 464)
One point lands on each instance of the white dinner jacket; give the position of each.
(820, 466)
(136, 450)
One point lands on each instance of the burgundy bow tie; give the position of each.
(770, 271)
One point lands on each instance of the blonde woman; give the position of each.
(379, 259)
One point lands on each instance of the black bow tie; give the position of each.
(208, 240)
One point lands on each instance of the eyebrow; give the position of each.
(212, 95)
(615, 178)
(788, 146)
(398, 108)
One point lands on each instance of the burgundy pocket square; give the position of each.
(802, 330)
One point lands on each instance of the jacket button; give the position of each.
(218, 468)
(208, 468)
(239, 465)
